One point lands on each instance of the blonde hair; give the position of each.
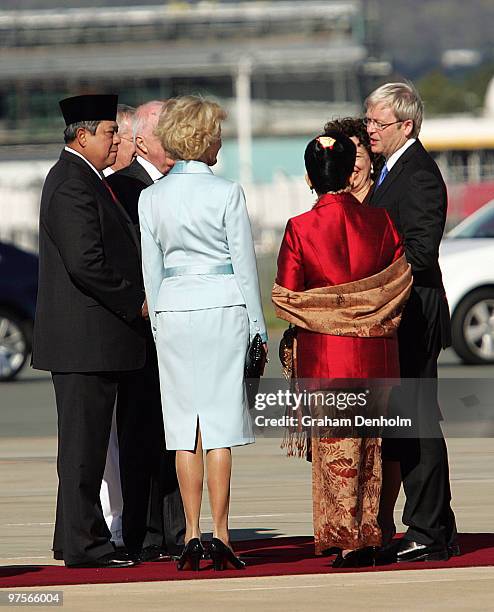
(403, 99)
(188, 125)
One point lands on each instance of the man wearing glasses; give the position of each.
(412, 190)
(127, 148)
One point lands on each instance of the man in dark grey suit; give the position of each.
(154, 530)
(412, 190)
(89, 327)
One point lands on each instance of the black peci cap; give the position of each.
(89, 108)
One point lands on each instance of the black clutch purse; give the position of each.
(255, 362)
(255, 359)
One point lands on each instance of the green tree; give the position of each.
(460, 93)
(442, 95)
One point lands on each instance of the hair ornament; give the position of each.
(326, 142)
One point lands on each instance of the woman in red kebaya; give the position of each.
(340, 241)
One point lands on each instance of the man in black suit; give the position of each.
(88, 327)
(111, 487)
(412, 190)
(150, 164)
(153, 522)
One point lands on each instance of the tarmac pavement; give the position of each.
(271, 497)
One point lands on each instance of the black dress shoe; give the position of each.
(112, 559)
(175, 552)
(408, 551)
(362, 557)
(387, 554)
(454, 549)
(154, 553)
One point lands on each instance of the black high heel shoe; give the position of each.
(362, 557)
(191, 557)
(329, 552)
(223, 556)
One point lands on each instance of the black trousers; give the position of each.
(85, 404)
(423, 460)
(165, 524)
(153, 509)
(153, 512)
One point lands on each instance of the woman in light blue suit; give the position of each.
(203, 297)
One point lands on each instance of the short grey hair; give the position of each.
(70, 131)
(146, 117)
(124, 111)
(403, 99)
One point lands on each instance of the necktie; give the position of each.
(383, 175)
(113, 196)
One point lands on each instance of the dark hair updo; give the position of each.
(354, 126)
(329, 161)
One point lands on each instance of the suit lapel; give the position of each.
(135, 170)
(121, 213)
(379, 192)
(116, 208)
(394, 173)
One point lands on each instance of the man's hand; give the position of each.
(144, 310)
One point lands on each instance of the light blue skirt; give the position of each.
(201, 356)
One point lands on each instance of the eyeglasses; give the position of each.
(127, 139)
(379, 125)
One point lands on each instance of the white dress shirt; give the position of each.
(397, 154)
(153, 172)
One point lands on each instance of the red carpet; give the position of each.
(273, 557)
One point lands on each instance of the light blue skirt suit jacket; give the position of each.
(204, 303)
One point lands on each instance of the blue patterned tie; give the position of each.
(383, 175)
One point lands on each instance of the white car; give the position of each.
(467, 262)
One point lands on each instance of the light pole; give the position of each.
(244, 119)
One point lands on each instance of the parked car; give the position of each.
(467, 263)
(18, 287)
